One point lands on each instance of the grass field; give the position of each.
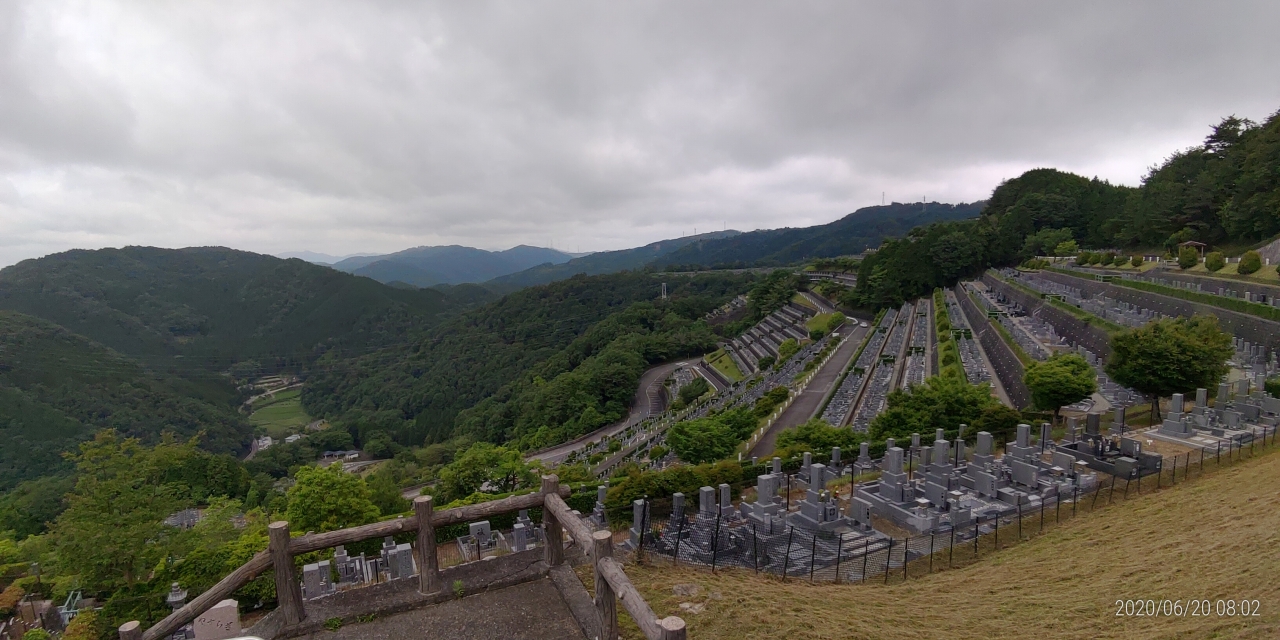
(720, 361)
(820, 321)
(804, 302)
(281, 414)
(1215, 537)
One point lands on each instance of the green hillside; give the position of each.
(861, 230)
(57, 388)
(416, 391)
(599, 263)
(207, 308)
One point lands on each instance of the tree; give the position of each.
(328, 499)
(1250, 262)
(710, 438)
(694, 390)
(1214, 261)
(998, 420)
(765, 362)
(1170, 356)
(788, 348)
(1188, 257)
(1059, 381)
(502, 469)
(1136, 261)
(940, 403)
(1066, 248)
(115, 514)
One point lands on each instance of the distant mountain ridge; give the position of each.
(600, 263)
(451, 264)
(861, 230)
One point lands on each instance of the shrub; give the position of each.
(1214, 261)
(37, 634)
(1095, 258)
(1188, 257)
(1250, 262)
(658, 451)
(1136, 261)
(948, 359)
(1109, 258)
(1082, 258)
(765, 362)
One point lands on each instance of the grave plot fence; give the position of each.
(796, 553)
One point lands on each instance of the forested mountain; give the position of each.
(1224, 191)
(209, 308)
(852, 234)
(453, 264)
(417, 391)
(57, 388)
(600, 263)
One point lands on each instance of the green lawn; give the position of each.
(281, 414)
(720, 361)
(820, 321)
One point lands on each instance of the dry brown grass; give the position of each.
(1216, 537)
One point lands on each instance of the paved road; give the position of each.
(647, 401)
(810, 400)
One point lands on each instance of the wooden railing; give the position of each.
(611, 581)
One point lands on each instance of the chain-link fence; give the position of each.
(726, 539)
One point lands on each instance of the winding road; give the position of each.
(648, 401)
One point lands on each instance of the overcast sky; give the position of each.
(372, 127)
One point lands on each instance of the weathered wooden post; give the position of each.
(288, 591)
(428, 563)
(554, 551)
(131, 630)
(606, 601)
(672, 628)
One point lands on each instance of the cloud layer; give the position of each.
(345, 127)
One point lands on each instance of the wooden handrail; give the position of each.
(260, 562)
(316, 541)
(466, 513)
(612, 581)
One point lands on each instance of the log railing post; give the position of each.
(131, 630)
(672, 628)
(606, 601)
(554, 553)
(288, 591)
(428, 563)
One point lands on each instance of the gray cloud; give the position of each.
(344, 127)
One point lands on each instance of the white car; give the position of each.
(863, 324)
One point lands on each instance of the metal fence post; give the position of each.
(997, 532)
(679, 537)
(906, 548)
(839, 552)
(951, 551)
(786, 560)
(887, 557)
(1019, 522)
(1042, 516)
(932, 536)
(975, 537)
(715, 542)
(755, 557)
(813, 551)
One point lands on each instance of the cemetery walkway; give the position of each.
(531, 610)
(809, 402)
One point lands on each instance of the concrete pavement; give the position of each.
(809, 402)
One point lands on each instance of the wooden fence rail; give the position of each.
(611, 580)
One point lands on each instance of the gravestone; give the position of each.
(1202, 397)
(520, 538)
(598, 516)
(677, 507)
(220, 622)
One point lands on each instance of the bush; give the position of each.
(1095, 258)
(1136, 261)
(1188, 257)
(657, 452)
(816, 334)
(765, 362)
(948, 359)
(1109, 258)
(1250, 262)
(1214, 261)
(1083, 258)
(1272, 386)
(37, 634)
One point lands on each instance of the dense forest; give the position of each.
(57, 388)
(599, 263)
(561, 352)
(207, 308)
(854, 233)
(1225, 191)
